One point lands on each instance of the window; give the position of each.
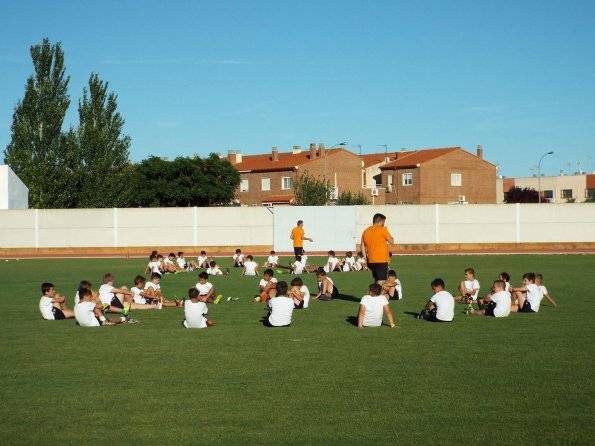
(590, 194)
(406, 202)
(549, 194)
(407, 179)
(567, 193)
(389, 180)
(244, 185)
(266, 183)
(456, 179)
(285, 183)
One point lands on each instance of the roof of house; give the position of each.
(372, 159)
(287, 161)
(414, 159)
(287, 198)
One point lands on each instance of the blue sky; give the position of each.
(517, 77)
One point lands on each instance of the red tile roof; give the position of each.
(287, 161)
(412, 159)
(279, 198)
(372, 159)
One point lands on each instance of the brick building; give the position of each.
(267, 179)
(446, 175)
(555, 189)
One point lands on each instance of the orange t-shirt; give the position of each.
(375, 238)
(297, 233)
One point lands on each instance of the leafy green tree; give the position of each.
(310, 191)
(104, 179)
(37, 151)
(185, 181)
(347, 198)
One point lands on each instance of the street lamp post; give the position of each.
(539, 174)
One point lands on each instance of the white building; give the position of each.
(13, 192)
(558, 189)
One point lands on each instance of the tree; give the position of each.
(310, 191)
(185, 182)
(521, 195)
(37, 152)
(347, 198)
(103, 180)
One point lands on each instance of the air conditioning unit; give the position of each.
(389, 188)
(461, 199)
(375, 192)
(334, 193)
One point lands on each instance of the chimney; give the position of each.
(296, 150)
(480, 152)
(321, 149)
(275, 154)
(312, 151)
(234, 156)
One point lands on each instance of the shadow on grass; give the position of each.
(348, 297)
(351, 320)
(412, 313)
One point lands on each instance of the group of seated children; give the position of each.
(348, 263)
(502, 300)
(170, 264)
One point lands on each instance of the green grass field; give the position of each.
(526, 379)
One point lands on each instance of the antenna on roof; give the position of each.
(385, 151)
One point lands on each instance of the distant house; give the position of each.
(267, 179)
(13, 192)
(445, 175)
(556, 189)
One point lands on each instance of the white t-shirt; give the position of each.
(298, 267)
(201, 260)
(250, 268)
(445, 305)
(304, 289)
(399, 288)
(155, 286)
(349, 261)
(374, 306)
(471, 285)
(214, 271)
(154, 267)
(46, 307)
(542, 290)
(203, 290)
(181, 262)
(238, 257)
(167, 261)
(507, 286)
(333, 262)
(273, 260)
(264, 282)
(77, 298)
(84, 315)
(105, 294)
(137, 297)
(281, 311)
(503, 302)
(359, 265)
(534, 296)
(194, 313)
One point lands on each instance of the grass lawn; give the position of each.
(526, 379)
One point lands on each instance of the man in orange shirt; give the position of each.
(375, 250)
(298, 236)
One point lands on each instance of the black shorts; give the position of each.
(431, 316)
(299, 306)
(58, 315)
(379, 270)
(116, 303)
(526, 308)
(268, 324)
(298, 250)
(489, 309)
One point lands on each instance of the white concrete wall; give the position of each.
(13, 192)
(332, 227)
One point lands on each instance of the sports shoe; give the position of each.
(107, 323)
(256, 298)
(159, 305)
(217, 299)
(126, 309)
(105, 307)
(210, 323)
(133, 321)
(180, 304)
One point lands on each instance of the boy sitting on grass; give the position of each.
(469, 288)
(326, 288)
(267, 287)
(280, 308)
(527, 299)
(371, 308)
(85, 284)
(497, 303)
(392, 287)
(206, 290)
(250, 267)
(53, 306)
(441, 306)
(300, 294)
(238, 259)
(213, 269)
(88, 312)
(183, 264)
(272, 260)
(114, 297)
(153, 293)
(195, 311)
(543, 289)
(142, 300)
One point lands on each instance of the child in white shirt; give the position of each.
(371, 308)
(497, 303)
(348, 262)
(360, 264)
(153, 292)
(195, 311)
(280, 308)
(272, 260)
(543, 289)
(238, 259)
(332, 263)
(88, 312)
(300, 294)
(203, 260)
(154, 265)
(469, 288)
(267, 287)
(392, 286)
(206, 290)
(183, 264)
(213, 269)
(250, 267)
(53, 306)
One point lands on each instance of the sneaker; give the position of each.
(210, 323)
(217, 299)
(180, 304)
(256, 298)
(105, 307)
(177, 272)
(228, 299)
(159, 305)
(126, 309)
(133, 321)
(107, 323)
